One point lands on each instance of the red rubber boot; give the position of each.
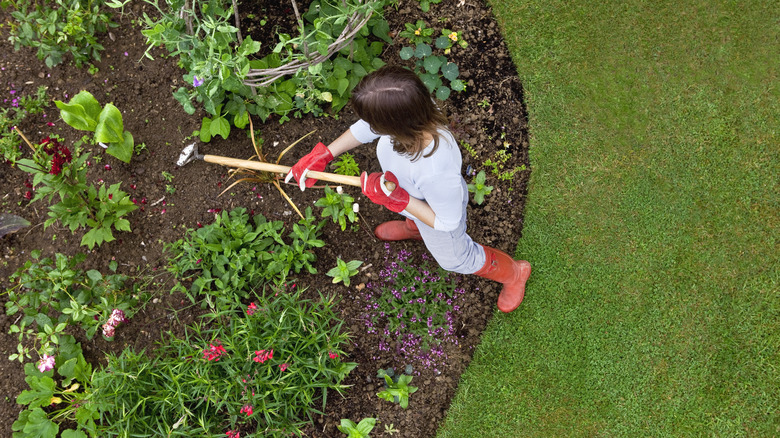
(513, 274)
(398, 230)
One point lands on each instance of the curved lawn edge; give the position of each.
(651, 223)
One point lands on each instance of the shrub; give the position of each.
(234, 255)
(260, 368)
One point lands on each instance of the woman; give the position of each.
(422, 159)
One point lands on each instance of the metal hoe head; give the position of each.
(188, 154)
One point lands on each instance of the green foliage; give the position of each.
(448, 38)
(497, 165)
(218, 66)
(59, 27)
(80, 205)
(337, 206)
(344, 271)
(10, 141)
(413, 302)
(279, 357)
(479, 188)
(360, 430)
(235, 255)
(346, 165)
(417, 33)
(51, 295)
(397, 389)
(84, 113)
(433, 70)
(425, 5)
(67, 397)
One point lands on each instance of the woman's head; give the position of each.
(395, 102)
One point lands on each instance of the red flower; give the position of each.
(332, 355)
(233, 434)
(247, 409)
(262, 356)
(251, 309)
(214, 352)
(283, 367)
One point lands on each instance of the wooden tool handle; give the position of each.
(278, 168)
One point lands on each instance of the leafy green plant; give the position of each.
(10, 142)
(346, 165)
(344, 271)
(337, 206)
(58, 27)
(497, 165)
(417, 33)
(235, 255)
(397, 389)
(448, 38)
(57, 171)
(360, 430)
(432, 68)
(413, 303)
(479, 188)
(84, 113)
(67, 396)
(425, 5)
(261, 368)
(54, 294)
(203, 36)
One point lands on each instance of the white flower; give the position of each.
(355, 207)
(339, 190)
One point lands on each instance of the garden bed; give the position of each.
(489, 116)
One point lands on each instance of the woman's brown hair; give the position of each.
(395, 102)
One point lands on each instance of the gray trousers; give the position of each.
(454, 250)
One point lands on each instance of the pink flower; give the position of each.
(247, 409)
(233, 434)
(283, 367)
(251, 309)
(108, 330)
(214, 352)
(46, 363)
(332, 355)
(262, 356)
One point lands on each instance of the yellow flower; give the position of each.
(453, 36)
(417, 32)
(55, 400)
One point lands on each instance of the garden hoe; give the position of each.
(190, 153)
(417, 208)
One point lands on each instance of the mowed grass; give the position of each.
(651, 224)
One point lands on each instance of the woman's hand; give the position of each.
(374, 188)
(316, 160)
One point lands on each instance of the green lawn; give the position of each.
(651, 223)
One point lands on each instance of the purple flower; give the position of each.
(197, 82)
(46, 363)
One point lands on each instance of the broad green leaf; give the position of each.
(406, 53)
(70, 433)
(442, 93)
(109, 127)
(122, 150)
(75, 116)
(221, 127)
(432, 64)
(88, 102)
(40, 392)
(205, 130)
(450, 71)
(39, 425)
(422, 50)
(457, 85)
(442, 42)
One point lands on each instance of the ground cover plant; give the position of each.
(183, 218)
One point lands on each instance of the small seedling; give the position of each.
(344, 271)
(398, 389)
(479, 188)
(346, 165)
(337, 206)
(484, 103)
(167, 176)
(360, 430)
(390, 430)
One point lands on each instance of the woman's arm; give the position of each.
(345, 142)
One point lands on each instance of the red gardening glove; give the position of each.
(316, 160)
(374, 187)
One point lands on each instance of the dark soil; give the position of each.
(141, 89)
